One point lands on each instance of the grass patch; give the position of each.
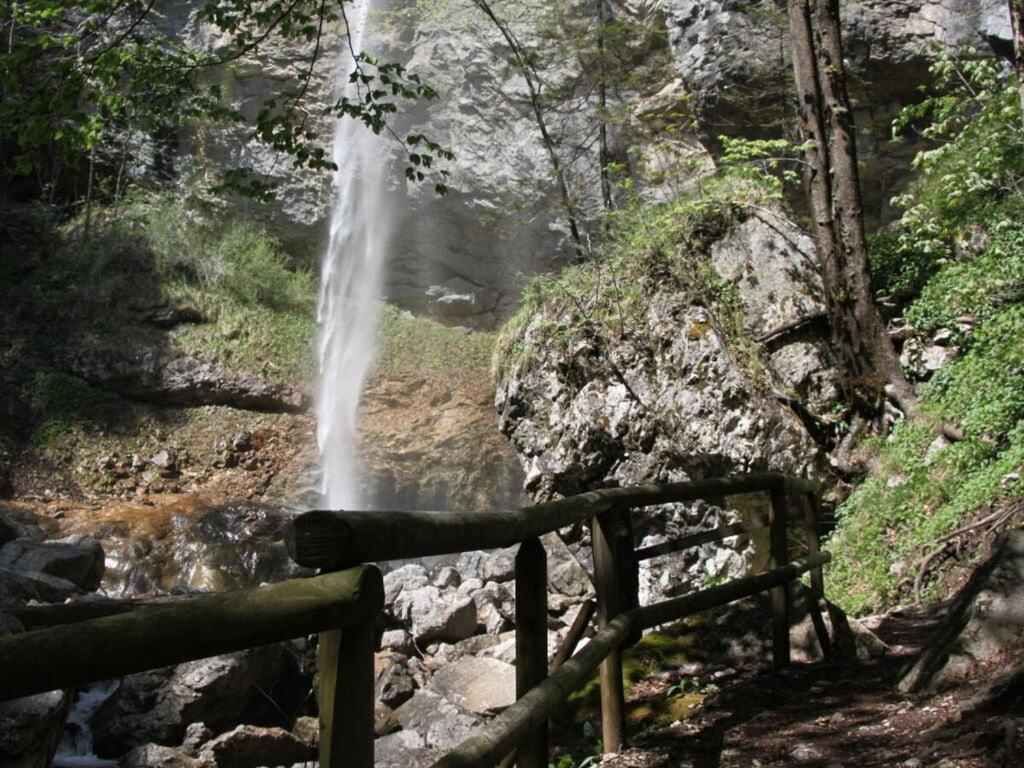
(416, 345)
(67, 402)
(648, 248)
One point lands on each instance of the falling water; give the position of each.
(350, 288)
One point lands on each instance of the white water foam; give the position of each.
(350, 288)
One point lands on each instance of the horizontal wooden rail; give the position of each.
(706, 537)
(158, 636)
(326, 539)
(499, 737)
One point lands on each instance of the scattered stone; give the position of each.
(397, 640)
(196, 734)
(433, 615)
(495, 608)
(249, 746)
(447, 578)
(441, 723)
(307, 730)
(479, 685)
(406, 578)
(165, 461)
(400, 750)
(394, 685)
(156, 756)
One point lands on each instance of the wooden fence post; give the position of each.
(809, 506)
(532, 641)
(608, 581)
(345, 671)
(779, 556)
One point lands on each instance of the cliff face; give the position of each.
(734, 59)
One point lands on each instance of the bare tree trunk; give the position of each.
(815, 140)
(869, 361)
(1017, 24)
(603, 153)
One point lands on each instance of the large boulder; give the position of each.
(483, 686)
(75, 559)
(155, 707)
(249, 746)
(30, 729)
(435, 615)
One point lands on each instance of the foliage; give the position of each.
(87, 79)
(247, 302)
(957, 256)
(970, 174)
(66, 401)
(648, 248)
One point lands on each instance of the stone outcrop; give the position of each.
(984, 625)
(186, 379)
(463, 257)
(156, 707)
(672, 400)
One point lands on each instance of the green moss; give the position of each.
(661, 651)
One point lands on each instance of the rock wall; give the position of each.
(463, 258)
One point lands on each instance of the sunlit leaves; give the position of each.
(77, 74)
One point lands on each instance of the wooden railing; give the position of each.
(342, 605)
(327, 539)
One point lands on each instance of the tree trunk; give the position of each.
(869, 361)
(814, 138)
(603, 153)
(1017, 25)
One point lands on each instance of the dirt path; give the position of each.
(838, 714)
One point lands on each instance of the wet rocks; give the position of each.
(77, 560)
(195, 543)
(30, 729)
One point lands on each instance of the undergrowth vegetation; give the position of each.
(647, 248)
(148, 278)
(417, 345)
(957, 259)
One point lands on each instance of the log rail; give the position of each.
(343, 603)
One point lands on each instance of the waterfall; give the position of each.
(350, 287)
